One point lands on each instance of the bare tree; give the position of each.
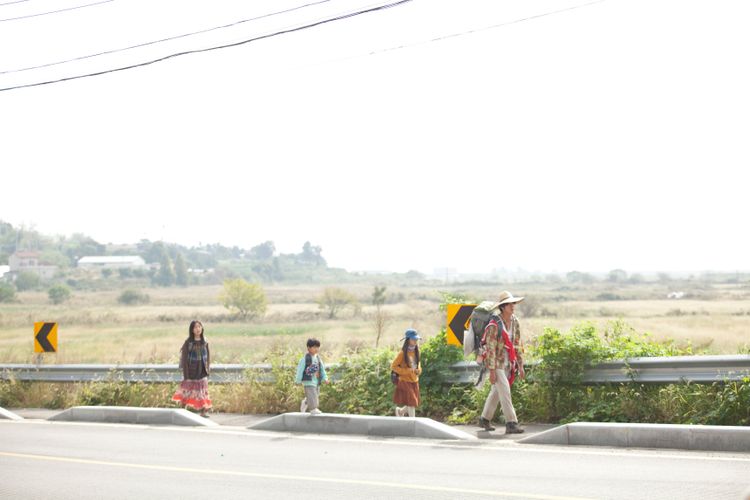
(381, 318)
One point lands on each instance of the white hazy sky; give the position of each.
(611, 135)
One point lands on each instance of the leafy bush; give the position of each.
(334, 299)
(363, 384)
(26, 280)
(58, 294)
(440, 399)
(117, 393)
(555, 391)
(7, 292)
(131, 297)
(257, 394)
(552, 393)
(244, 299)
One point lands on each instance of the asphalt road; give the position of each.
(57, 461)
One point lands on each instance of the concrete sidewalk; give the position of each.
(654, 436)
(248, 420)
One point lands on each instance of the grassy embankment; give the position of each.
(95, 328)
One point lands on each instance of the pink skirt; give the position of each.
(193, 393)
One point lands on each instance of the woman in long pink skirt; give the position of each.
(195, 362)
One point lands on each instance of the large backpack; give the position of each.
(478, 321)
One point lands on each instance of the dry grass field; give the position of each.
(95, 328)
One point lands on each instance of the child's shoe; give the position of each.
(315, 411)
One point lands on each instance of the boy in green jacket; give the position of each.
(311, 372)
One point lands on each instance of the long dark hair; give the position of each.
(191, 338)
(405, 349)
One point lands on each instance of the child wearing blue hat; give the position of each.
(408, 368)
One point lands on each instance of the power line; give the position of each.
(236, 44)
(145, 44)
(10, 3)
(477, 30)
(56, 11)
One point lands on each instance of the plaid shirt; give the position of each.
(495, 347)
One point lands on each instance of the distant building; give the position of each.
(111, 262)
(675, 295)
(30, 261)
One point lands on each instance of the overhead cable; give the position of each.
(176, 37)
(11, 3)
(477, 30)
(56, 11)
(218, 47)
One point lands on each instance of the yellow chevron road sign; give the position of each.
(458, 321)
(45, 337)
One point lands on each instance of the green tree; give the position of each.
(58, 294)
(312, 254)
(165, 276)
(7, 293)
(26, 280)
(617, 276)
(247, 300)
(264, 251)
(579, 277)
(636, 278)
(334, 299)
(54, 257)
(79, 245)
(180, 270)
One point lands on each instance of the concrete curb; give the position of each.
(8, 415)
(682, 437)
(131, 415)
(334, 423)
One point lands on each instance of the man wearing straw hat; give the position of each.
(503, 361)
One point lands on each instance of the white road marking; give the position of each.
(289, 477)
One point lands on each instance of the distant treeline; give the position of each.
(173, 264)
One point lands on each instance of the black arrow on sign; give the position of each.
(458, 323)
(41, 337)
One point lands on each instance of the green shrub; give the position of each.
(246, 300)
(58, 294)
(441, 399)
(553, 391)
(132, 297)
(363, 384)
(26, 280)
(556, 393)
(7, 292)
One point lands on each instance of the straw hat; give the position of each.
(507, 298)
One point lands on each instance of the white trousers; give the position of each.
(500, 393)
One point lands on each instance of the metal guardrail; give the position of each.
(673, 369)
(656, 370)
(220, 373)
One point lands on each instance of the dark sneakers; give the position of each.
(485, 424)
(513, 428)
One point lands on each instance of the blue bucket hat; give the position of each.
(411, 334)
